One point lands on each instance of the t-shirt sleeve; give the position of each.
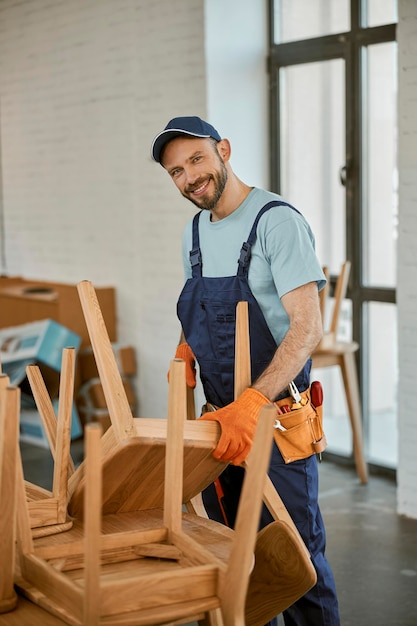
(291, 253)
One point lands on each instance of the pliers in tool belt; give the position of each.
(299, 401)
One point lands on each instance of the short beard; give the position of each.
(220, 180)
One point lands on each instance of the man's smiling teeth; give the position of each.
(202, 188)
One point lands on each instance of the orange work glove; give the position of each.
(238, 422)
(184, 352)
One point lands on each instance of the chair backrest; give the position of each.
(134, 447)
(324, 293)
(330, 334)
(339, 295)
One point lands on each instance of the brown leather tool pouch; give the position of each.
(303, 434)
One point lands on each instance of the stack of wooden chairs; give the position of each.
(119, 548)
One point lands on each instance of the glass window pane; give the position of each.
(301, 19)
(380, 12)
(382, 377)
(380, 190)
(312, 120)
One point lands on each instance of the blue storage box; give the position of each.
(37, 343)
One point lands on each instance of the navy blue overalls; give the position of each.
(207, 311)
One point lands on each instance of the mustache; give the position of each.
(197, 184)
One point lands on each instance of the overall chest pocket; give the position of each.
(220, 320)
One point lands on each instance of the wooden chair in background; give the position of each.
(330, 353)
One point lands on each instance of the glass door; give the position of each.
(333, 138)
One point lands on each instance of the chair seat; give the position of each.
(133, 470)
(323, 355)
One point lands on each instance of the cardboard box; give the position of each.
(34, 343)
(32, 430)
(23, 301)
(37, 343)
(125, 359)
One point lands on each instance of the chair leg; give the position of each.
(9, 437)
(212, 618)
(350, 381)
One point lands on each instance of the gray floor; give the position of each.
(372, 550)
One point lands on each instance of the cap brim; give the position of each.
(166, 135)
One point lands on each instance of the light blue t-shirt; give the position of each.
(283, 255)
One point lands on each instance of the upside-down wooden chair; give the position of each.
(131, 504)
(332, 352)
(48, 509)
(9, 437)
(294, 572)
(147, 567)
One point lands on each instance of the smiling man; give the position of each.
(246, 243)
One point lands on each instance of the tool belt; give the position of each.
(299, 432)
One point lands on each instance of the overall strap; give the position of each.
(246, 249)
(195, 252)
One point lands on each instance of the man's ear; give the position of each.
(224, 148)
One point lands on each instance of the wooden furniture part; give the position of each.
(153, 573)
(199, 471)
(132, 501)
(330, 353)
(9, 437)
(283, 571)
(48, 509)
(143, 439)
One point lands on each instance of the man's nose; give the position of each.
(191, 176)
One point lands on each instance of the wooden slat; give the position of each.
(174, 463)
(339, 295)
(45, 409)
(113, 388)
(242, 349)
(63, 436)
(160, 589)
(43, 404)
(235, 583)
(9, 437)
(92, 525)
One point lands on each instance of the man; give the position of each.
(247, 244)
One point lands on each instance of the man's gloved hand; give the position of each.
(184, 352)
(238, 422)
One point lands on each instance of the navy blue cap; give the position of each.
(179, 126)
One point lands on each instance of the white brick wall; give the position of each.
(407, 257)
(84, 86)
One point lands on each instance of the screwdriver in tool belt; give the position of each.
(281, 409)
(316, 393)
